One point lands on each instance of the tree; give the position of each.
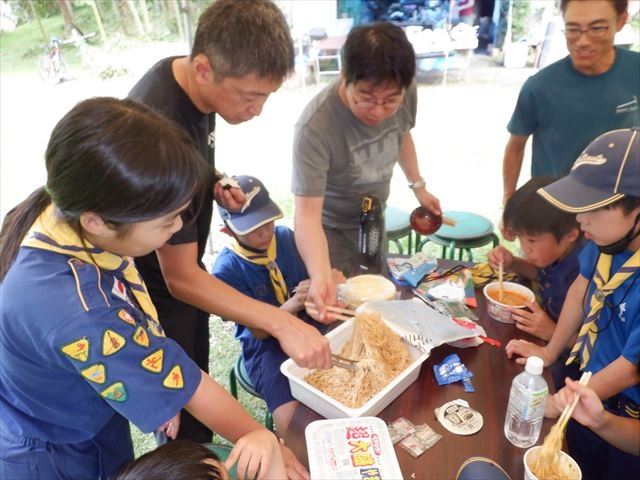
(67, 14)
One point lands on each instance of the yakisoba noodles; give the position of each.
(381, 356)
(547, 464)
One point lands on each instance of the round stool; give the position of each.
(397, 226)
(238, 374)
(471, 231)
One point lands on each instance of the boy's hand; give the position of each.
(500, 253)
(299, 297)
(555, 403)
(295, 470)
(255, 453)
(589, 411)
(170, 428)
(527, 349)
(536, 322)
(231, 199)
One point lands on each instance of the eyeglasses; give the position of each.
(388, 105)
(596, 31)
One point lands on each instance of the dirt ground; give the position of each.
(460, 131)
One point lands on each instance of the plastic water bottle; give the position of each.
(525, 411)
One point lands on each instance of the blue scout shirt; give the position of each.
(253, 280)
(619, 322)
(77, 356)
(554, 280)
(565, 110)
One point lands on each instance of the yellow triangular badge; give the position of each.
(140, 337)
(155, 328)
(126, 317)
(116, 392)
(112, 342)
(78, 349)
(95, 373)
(174, 379)
(153, 362)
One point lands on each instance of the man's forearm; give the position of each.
(512, 164)
(313, 248)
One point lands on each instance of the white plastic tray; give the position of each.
(330, 408)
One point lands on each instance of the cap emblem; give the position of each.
(586, 159)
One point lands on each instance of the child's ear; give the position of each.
(573, 235)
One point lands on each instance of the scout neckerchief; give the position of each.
(51, 234)
(604, 287)
(267, 260)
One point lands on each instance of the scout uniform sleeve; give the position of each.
(124, 357)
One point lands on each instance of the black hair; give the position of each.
(241, 37)
(115, 158)
(177, 460)
(528, 213)
(620, 6)
(379, 53)
(627, 203)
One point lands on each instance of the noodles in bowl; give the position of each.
(381, 355)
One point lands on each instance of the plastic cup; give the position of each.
(567, 464)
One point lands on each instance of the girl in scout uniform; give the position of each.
(82, 353)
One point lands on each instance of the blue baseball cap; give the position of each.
(257, 210)
(606, 171)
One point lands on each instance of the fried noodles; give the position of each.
(381, 356)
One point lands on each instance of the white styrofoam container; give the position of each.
(349, 448)
(330, 408)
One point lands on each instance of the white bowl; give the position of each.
(500, 311)
(331, 408)
(364, 288)
(569, 465)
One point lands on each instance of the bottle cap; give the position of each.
(534, 365)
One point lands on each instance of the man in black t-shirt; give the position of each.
(241, 54)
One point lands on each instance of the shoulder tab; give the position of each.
(89, 282)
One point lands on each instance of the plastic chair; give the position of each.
(397, 226)
(471, 231)
(223, 452)
(238, 374)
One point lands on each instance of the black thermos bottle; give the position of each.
(370, 235)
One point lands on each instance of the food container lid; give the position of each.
(351, 448)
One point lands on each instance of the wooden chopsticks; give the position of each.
(568, 410)
(343, 313)
(449, 221)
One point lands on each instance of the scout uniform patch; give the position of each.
(78, 349)
(119, 290)
(153, 362)
(174, 380)
(155, 328)
(95, 373)
(116, 392)
(140, 337)
(126, 317)
(112, 342)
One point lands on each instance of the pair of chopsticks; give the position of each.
(568, 410)
(343, 313)
(501, 280)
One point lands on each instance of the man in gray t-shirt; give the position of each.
(346, 144)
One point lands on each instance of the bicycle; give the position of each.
(52, 66)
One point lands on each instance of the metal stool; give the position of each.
(471, 231)
(397, 226)
(238, 374)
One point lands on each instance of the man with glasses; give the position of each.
(594, 89)
(346, 143)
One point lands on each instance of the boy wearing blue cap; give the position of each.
(603, 304)
(263, 263)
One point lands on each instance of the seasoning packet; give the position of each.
(400, 428)
(451, 370)
(421, 440)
